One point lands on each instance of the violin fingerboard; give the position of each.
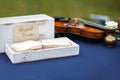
(95, 25)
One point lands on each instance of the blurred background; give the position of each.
(66, 8)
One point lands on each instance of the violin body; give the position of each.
(79, 29)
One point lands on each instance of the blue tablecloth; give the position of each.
(95, 62)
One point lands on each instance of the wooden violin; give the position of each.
(86, 29)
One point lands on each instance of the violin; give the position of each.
(85, 29)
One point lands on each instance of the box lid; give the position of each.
(17, 19)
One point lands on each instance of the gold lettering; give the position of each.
(27, 35)
(25, 29)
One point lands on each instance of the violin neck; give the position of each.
(95, 25)
(89, 23)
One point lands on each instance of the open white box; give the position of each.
(18, 57)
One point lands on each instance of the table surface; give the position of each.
(95, 62)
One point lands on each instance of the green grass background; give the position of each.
(66, 8)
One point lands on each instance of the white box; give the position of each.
(21, 28)
(19, 57)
